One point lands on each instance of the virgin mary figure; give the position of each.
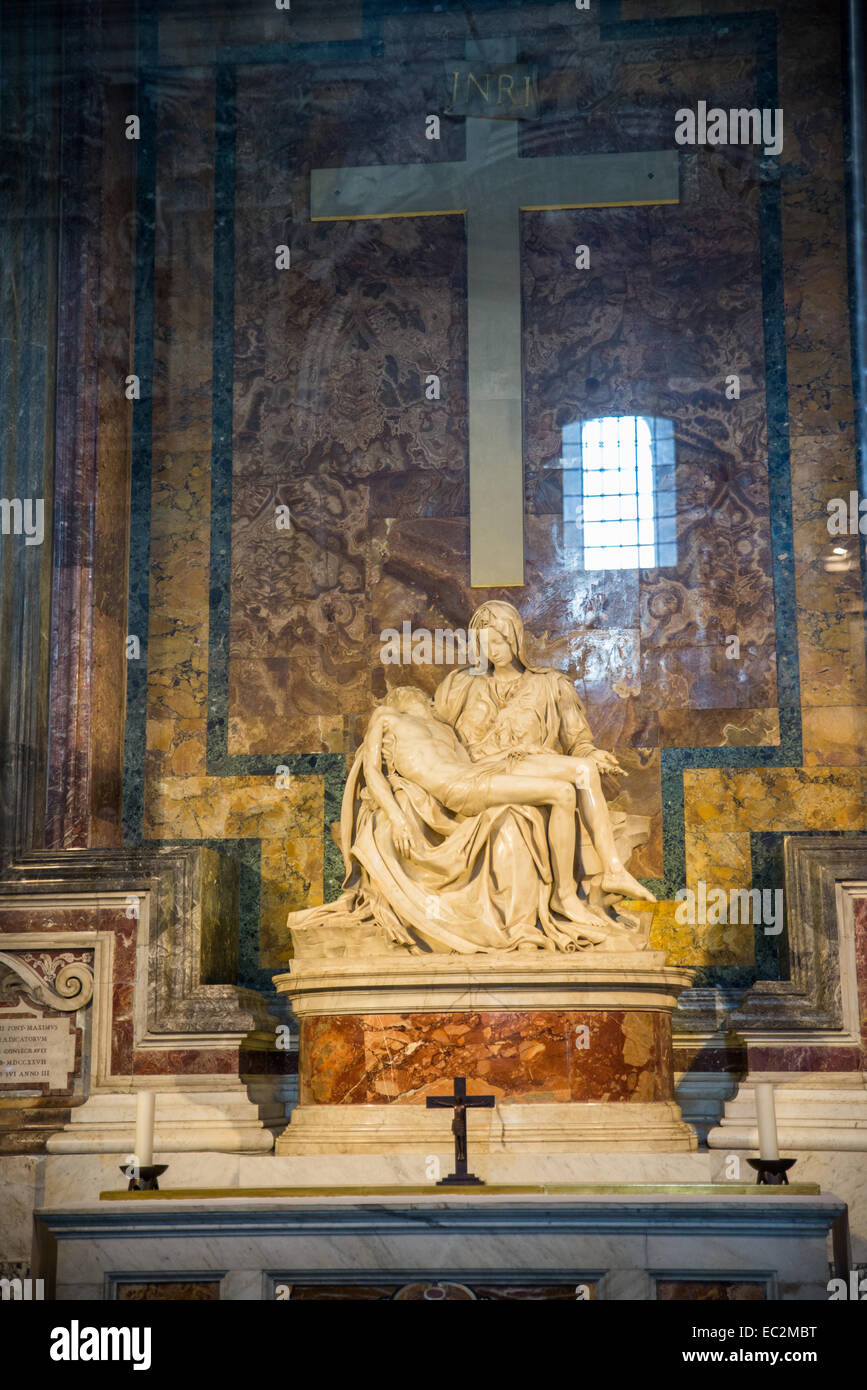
(514, 706)
(481, 880)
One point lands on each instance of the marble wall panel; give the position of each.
(164, 1004)
(777, 799)
(710, 1291)
(531, 1057)
(287, 821)
(814, 229)
(112, 919)
(374, 305)
(181, 423)
(861, 962)
(330, 419)
(830, 602)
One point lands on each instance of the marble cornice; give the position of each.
(725, 1215)
(513, 980)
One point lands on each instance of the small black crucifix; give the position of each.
(459, 1102)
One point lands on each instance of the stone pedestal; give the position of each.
(223, 1117)
(576, 1049)
(814, 1112)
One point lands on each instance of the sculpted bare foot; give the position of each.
(621, 881)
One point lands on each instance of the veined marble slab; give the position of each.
(777, 1240)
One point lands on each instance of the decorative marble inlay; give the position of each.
(59, 980)
(710, 1290)
(163, 1290)
(531, 1056)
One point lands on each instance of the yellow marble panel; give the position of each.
(722, 859)
(292, 867)
(833, 669)
(203, 808)
(836, 734)
(699, 943)
(288, 822)
(788, 798)
(182, 412)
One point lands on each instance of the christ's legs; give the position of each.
(584, 775)
(551, 765)
(509, 789)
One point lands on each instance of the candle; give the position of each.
(144, 1128)
(767, 1120)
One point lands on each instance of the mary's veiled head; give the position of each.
(504, 619)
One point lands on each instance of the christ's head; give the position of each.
(408, 699)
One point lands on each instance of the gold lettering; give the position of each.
(455, 88)
(484, 92)
(506, 77)
(527, 91)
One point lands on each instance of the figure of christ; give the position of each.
(459, 1130)
(415, 743)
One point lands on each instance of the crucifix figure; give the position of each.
(491, 187)
(459, 1101)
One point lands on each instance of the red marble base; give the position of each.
(528, 1056)
(576, 1051)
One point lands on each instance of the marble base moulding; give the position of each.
(576, 1051)
(227, 1117)
(814, 1111)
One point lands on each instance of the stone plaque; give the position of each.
(36, 1050)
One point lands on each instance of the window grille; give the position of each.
(619, 504)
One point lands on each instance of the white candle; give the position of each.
(767, 1120)
(144, 1128)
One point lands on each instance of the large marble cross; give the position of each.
(491, 187)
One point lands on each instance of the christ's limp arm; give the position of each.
(379, 787)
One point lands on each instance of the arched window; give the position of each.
(619, 492)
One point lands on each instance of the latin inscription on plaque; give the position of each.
(36, 1051)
